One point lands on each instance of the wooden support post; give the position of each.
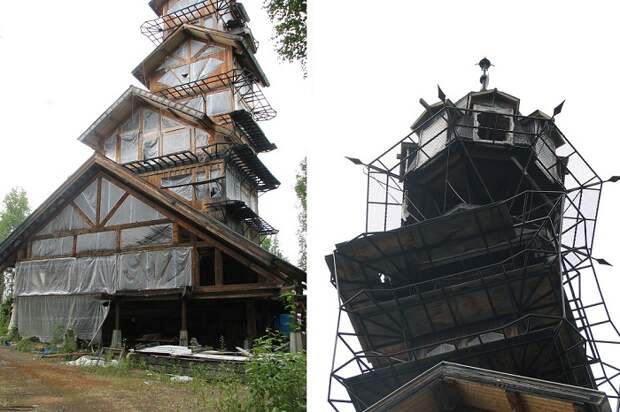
(183, 336)
(219, 268)
(250, 310)
(117, 337)
(515, 402)
(117, 315)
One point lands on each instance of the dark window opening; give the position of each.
(493, 126)
(207, 267)
(184, 235)
(236, 273)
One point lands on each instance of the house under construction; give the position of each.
(477, 252)
(156, 237)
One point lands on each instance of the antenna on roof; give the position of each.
(484, 64)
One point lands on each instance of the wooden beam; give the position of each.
(219, 268)
(250, 316)
(515, 402)
(447, 397)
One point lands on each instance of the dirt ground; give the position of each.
(28, 383)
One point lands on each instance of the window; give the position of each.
(493, 126)
(219, 103)
(207, 267)
(181, 185)
(237, 273)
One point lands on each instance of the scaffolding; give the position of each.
(242, 85)
(520, 248)
(156, 30)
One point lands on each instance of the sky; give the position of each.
(65, 62)
(369, 66)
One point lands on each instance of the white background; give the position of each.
(64, 62)
(372, 61)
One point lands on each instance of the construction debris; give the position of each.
(90, 361)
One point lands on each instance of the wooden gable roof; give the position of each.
(200, 224)
(243, 46)
(114, 115)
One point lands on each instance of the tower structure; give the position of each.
(478, 251)
(157, 235)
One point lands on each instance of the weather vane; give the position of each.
(484, 64)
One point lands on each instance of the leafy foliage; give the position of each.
(272, 245)
(14, 212)
(289, 20)
(276, 379)
(301, 185)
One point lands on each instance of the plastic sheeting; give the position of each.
(185, 192)
(150, 146)
(161, 269)
(133, 211)
(66, 276)
(219, 103)
(202, 138)
(146, 235)
(68, 219)
(87, 201)
(204, 68)
(96, 242)
(41, 316)
(110, 195)
(52, 247)
(167, 269)
(181, 4)
(176, 141)
(109, 147)
(213, 190)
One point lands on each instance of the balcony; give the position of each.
(158, 29)
(243, 86)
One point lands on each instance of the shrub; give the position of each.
(25, 345)
(276, 379)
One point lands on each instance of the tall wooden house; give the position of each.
(157, 234)
(477, 251)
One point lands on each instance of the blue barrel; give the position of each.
(285, 323)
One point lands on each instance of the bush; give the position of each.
(25, 344)
(5, 315)
(275, 377)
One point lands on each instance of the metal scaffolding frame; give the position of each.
(242, 84)
(157, 29)
(553, 226)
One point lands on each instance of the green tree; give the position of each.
(272, 245)
(301, 184)
(289, 20)
(15, 209)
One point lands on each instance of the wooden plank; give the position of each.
(219, 268)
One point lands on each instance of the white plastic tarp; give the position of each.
(87, 201)
(165, 269)
(161, 269)
(176, 141)
(146, 235)
(52, 247)
(219, 103)
(96, 242)
(110, 195)
(185, 191)
(41, 316)
(68, 219)
(66, 276)
(133, 211)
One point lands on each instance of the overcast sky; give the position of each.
(64, 62)
(369, 67)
